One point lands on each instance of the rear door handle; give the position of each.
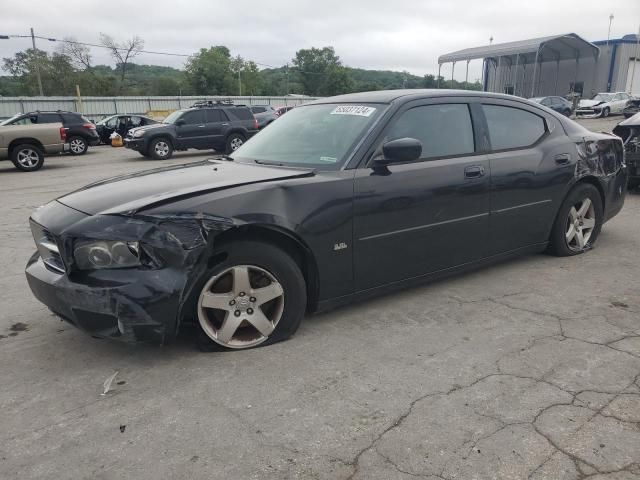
(474, 171)
(200, 126)
(563, 159)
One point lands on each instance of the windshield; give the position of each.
(319, 136)
(9, 120)
(603, 97)
(172, 117)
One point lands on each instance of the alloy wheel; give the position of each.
(161, 149)
(241, 306)
(28, 158)
(236, 143)
(77, 145)
(581, 222)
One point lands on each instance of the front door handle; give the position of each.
(563, 159)
(474, 171)
(200, 126)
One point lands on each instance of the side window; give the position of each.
(22, 121)
(214, 116)
(258, 109)
(511, 127)
(111, 123)
(49, 118)
(193, 118)
(241, 113)
(135, 121)
(443, 129)
(546, 102)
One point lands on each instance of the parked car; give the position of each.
(265, 114)
(282, 110)
(631, 108)
(559, 104)
(342, 199)
(26, 145)
(120, 124)
(223, 127)
(81, 132)
(629, 131)
(603, 105)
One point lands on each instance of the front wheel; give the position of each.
(234, 142)
(257, 296)
(160, 149)
(605, 112)
(578, 223)
(78, 146)
(27, 158)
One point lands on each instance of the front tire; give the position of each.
(255, 297)
(27, 158)
(605, 112)
(78, 146)
(234, 142)
(160, 149)
(578, 222)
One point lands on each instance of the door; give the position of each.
(216, 124)
(427, 215)
(619, 102)
(191, 133)
(531, 164)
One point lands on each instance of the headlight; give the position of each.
(138, 133)
(89, 255)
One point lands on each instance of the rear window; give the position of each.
(73, 118)
(511, 127)
(241, 113)
(48, 118)
(258, 109)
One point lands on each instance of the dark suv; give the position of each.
(81, 132)
(204, 126)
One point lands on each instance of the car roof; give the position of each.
(389, 96)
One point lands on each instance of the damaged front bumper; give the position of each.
(590, 112)
(132, 305)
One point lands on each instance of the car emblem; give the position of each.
(339, 246)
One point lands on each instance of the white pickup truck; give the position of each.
(26, 145)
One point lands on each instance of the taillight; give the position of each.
(90, 126)
(63, 134)
(255, 123)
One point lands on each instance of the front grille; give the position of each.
(47, 248)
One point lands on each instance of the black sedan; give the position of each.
(559, 104)
(120, 124)
(343, 198)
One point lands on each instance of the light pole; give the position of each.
(35, 53)
(609, 32)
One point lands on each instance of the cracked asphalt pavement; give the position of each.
(523, 370)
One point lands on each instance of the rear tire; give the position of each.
(578, 222)
(78, 146)
(160, 149)
(27, 157)
(234, 142)
(243, 304)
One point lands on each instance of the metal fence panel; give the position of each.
(96, 108)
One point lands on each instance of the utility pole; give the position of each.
(239, 84)
(286, 75)
(35, 52)
(635, 60)
(609, 32)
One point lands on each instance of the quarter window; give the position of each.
(443, 129)
(214, 116)
(48, 118)
(512, 127)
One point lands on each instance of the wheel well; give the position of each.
(239, 132)
(593, 181)
(163, 137)
(286, 241)
(22, 141)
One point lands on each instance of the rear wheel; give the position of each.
(578, 223)
(234, 142)
(257, 296)
(78, 146)
(160, 149)
(27, 158)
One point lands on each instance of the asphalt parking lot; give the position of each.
(528, 369)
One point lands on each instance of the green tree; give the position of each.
(209, 71)
(321, 72)
(56, 71)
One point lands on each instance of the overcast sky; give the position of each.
(391, 34)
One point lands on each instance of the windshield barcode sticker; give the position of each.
(359, 110)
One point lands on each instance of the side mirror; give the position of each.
(180, 122)
(399, 151)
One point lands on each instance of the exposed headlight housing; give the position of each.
(98, 254)
(138, 133)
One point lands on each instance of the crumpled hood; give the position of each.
(147, 127)
(589, 103)
(128, 194)
(633, 121)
